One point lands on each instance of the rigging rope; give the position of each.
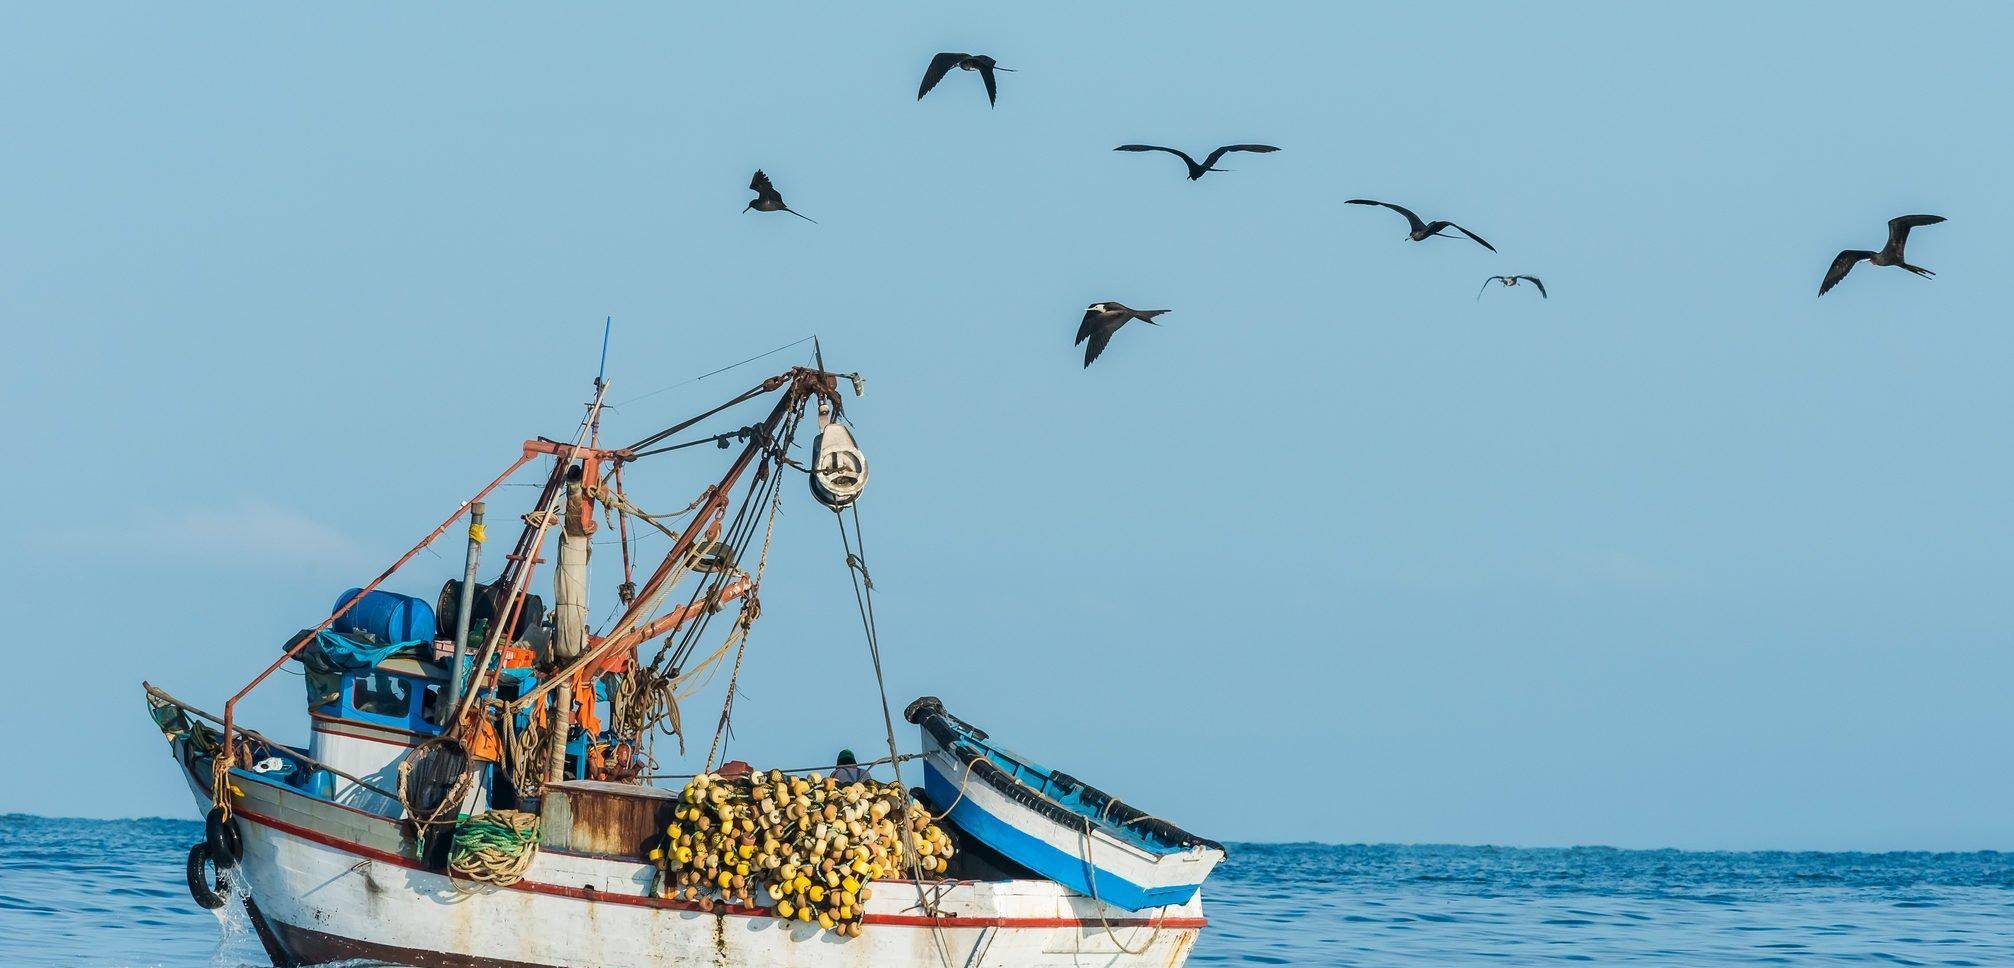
(527, 767)
(733, 683)
(793, 771)
(622, 505)
(709, 373)
(751, 609)
(648, 697)
(626, 592)
(863, 598)
(746, 396)
(1098, 906)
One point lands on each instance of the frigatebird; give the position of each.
(1890, 254)
(942, 64)
(1209, 164)
(1102, 319)
(768, 199)
(1424, 230)
(1509, 281)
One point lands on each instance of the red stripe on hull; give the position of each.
(388, 741)
(579, 894)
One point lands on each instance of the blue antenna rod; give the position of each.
(607, 323)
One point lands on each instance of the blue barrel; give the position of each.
(388, 615)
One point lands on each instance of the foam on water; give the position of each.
(83, 892)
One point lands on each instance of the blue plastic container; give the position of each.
(388, 615)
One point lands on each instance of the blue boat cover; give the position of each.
(333, 653)
(347, 654)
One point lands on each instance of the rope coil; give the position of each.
(495, 848)
(434, 781)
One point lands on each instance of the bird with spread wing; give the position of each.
(1509, 281)
(942, 64)
(1421, 231)
(1890, 254)
(768, 199)
(1209, 164)
(1102, 319)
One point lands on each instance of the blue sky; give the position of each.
(1682, 556)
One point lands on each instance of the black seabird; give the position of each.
(1102, 319)
(1509, 281)
(768, 199)
(1890, 254)
(942, 64)
(1422, 231)
(1209, 164)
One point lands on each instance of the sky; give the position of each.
(1681, 556)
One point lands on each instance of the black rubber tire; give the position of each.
(200, 887)
(221, 837)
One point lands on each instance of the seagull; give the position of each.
(1890, 254)
(1509, 281)
(1209, 164)
(768, 199)
(1102, 319)
(942, 64)
(1424, 230)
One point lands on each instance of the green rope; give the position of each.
(495, 847)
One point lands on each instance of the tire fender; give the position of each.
(221, 837)
(208, 893)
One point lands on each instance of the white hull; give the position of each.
(331, 882)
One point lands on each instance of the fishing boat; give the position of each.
(480, 779)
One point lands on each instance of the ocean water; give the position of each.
(83, 892)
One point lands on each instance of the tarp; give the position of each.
(334, 653)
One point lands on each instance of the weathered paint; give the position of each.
(604, 819)
(334, 881)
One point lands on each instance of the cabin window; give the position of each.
(383, 695)
(430, 705)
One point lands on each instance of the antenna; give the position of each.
(600, 383)
(607, 324)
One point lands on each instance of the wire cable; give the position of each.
(709, 373)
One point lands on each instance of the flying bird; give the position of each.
(1424, 230)
(1209, 164)
(768, 199)
(1510, 281)
(942, 64)
(1102, 319)
(1890, 254)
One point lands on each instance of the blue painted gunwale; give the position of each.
(1045, 858)
(1040, 779)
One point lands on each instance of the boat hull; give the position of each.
(331, 882)
(1086, 862)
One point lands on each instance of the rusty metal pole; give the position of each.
(466, 606)
(219, 789)
(562, 724)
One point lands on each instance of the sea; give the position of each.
(97, 892)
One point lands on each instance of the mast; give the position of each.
(569, 615)
(657, 586)
(635, 625)
(569, 593)
(466, 603)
